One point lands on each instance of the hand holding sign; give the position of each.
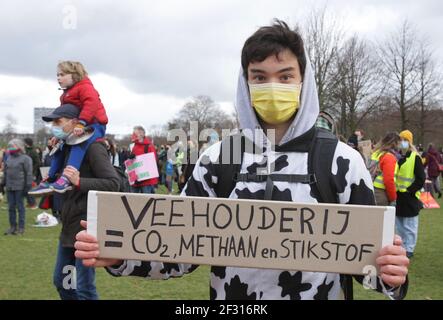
(393, 263)
(392, 259)
(278, 235)
(86, 248)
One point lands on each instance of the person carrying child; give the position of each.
(79, 91)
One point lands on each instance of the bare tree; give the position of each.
(323, 36)
(11, 122)
(203, 110)
(428, 86)
(158, 134)
(399, 55)
(357, 86)
(9, 129)
(124, 141)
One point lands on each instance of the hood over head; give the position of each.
(432, 150)
(18, 143)
(306, 115)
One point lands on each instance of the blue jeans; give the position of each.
(77, 153)
(144, 189)
(31, 200)
(407, 229)
(84, 287)
(15, 201)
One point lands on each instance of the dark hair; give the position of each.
(271, 40)
(139, 128)
(28, 141)
(389, 141)
(111, 143)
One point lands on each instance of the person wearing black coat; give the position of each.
(408, 203)
(96, 173)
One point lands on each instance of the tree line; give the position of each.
(389, 83)
(361, 81)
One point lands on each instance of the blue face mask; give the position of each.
(59, 133)
(404, 145)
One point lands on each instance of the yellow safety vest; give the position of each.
(405, 175)
(378, 181)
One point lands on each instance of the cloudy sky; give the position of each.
(149, 58)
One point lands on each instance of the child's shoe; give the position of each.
(61, 185)
(43, 188)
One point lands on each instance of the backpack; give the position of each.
(323, 148)
(373, 165)
(320, 158)
(123, 180)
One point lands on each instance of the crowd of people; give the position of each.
(401, 172)
(277, 93)
(22, 179)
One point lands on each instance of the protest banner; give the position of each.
(243, 233)
(365, 147)
(142, 167)
(428, 201)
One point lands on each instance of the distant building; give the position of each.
(38, 114)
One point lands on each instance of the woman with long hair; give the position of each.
(385, 160)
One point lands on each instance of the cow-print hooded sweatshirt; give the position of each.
(351, 182)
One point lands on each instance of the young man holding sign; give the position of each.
(276, 93)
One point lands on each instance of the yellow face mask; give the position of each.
(275, 103)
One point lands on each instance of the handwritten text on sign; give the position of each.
(245, 233)
(143, 167)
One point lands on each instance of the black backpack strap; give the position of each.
(271, 178)
(292, 178)
(320, 163)
(229, 164)
(319, 175)
(346, 282)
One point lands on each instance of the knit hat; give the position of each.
(18, 143)
(353, 141)
(407, 135)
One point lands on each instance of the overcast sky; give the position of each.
(147, 58)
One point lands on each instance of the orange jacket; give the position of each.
(387, 166)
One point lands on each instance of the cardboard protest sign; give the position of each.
(366, 148)
(142, 167)
(243, 233)
(44, 171)
(428, 201)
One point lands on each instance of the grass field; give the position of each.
(26, 265)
